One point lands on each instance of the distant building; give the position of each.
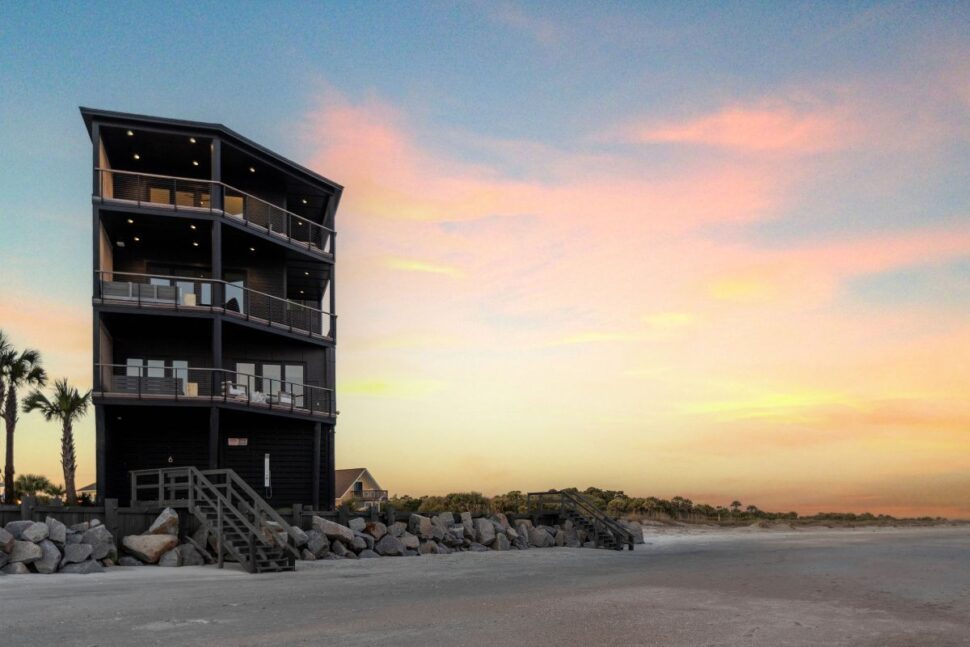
(214, 325)
(90, 490)
(358, 484)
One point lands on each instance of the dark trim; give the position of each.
(107, 400)
(316, 466)
(101, 459)
(213, 438)
(92, 116)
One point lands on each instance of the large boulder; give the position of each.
(539, 538)
(149, 548)
(397, 528)
(171, 558)
(476, 547)
(338, 549)
(375, 529)
(367, 539)
(35, 532)
(367, 554)
(333, 530)
(16, 528)
(445, 520)
(501, 519)
(359, 544)
(501, 542)
(73, 537)
(410, 541)
(427, 547)
(56, 531)
(25, 552)
(274, 534)
(75, 553)
(6, 540)
(51, 558)
(421, 526)
(102, 542)
(635, 529)
(307, 556)
(357, 524)
(167, 523)
(484, 531)
(299, 536)
(571, 538)
(128, 560)
(83, 568)
(468, 523)
(16, 568)
(389, 546)
(317, 543)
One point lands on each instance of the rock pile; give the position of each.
(160, 544)
(435, 535)
(51, 547)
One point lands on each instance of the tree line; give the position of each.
(22, 370)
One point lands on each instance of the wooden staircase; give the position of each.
(603, 530)
(244, 527)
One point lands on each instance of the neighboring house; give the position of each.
(90, 490)
(358, 483)
(214, 327)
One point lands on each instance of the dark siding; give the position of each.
(144, 437)
(244, 345)
(289, 444)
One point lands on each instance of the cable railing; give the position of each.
(190, 383)
(189, 293)
(206, 196)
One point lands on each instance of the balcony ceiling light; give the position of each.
(195, 162)
(136, 239)
(195, 243)
(137, 156)
(130, 133)
(130, 221)
(304, 200)
(301, 291)
(191, 226)
(306, 274)
(252, 169)
(252, 249)
(191, 140)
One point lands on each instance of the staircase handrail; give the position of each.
(580, 500)
(257, 504)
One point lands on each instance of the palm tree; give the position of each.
(735, 506)
(18, 370)
(67, 405)
(32, 484)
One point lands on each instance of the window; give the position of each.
(244, 376)
(156, 368)
(134, 365)
(272, 375)
(294, 386)
(180, 371)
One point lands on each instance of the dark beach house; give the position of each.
(214, 324)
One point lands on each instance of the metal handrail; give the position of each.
(577, 502)
(219, 390)
(286, 321)
(174, 178)
(257, 502)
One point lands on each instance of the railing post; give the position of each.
(219, 528)
(134, 487)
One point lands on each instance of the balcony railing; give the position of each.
(205, 196)
(212, 385)
(191, 294)
(371, 495)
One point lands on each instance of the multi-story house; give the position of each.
(214, 324)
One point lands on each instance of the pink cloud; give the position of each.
(758, 129)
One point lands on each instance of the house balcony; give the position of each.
(192, 295)
(369, 496)
(205, 386)
(195, 196)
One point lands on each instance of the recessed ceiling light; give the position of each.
(192, 140)
(252, 169)
(299, 223)
(195, 244)
(304, 200)
(195, 163)
(137, 156)
(191, 226)
(306, 274)
(130, 221)
(136, 239)
(130, 134)
(252, 249)
(301, 291)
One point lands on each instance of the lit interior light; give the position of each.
(252, 249)
(130, 221)
(191, 140)
(304, 200)
(136, 239)
(306, 274)
(195, 244)
(130, 134)
(299, 223)
(137, 156)
(301, 291)
(252, 169)
(195, 163)
(191, 226)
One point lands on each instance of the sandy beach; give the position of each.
(685, 586)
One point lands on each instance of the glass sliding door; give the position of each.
(245, 373)
(294, 386)
(235, 293)
(272, 375)
(180, 371)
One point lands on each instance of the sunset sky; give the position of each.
(673, 249)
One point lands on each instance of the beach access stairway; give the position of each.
(243, 526)
(583, 512)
